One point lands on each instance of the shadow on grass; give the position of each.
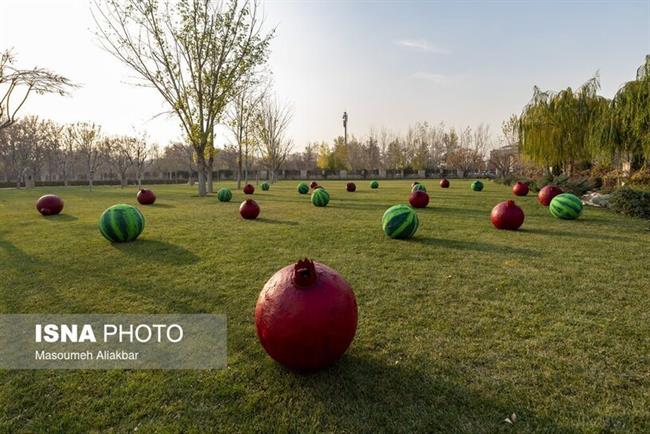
(161, 205)
(277, 222)
(473, 245)
(404, 398)
(157, 251)
(434, 208)
(60, 218)
(576, 235)
(359, 206)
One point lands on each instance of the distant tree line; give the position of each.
(422, 147)
(34, 150)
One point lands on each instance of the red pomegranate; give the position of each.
(306, 316)
(351, 187)
(146, 197)
(50, 204)
(520, 189)
(313, 185)
(249, 189)
(419, 199)
(444, 183)
(507, 215)
(546, 194)
(249, 209)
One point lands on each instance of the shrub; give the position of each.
(575, 185)
(512, 179)
(641, 177)
(630, 202)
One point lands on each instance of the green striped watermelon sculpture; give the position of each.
(374, 184)
(477, 185)
(266, 186)
(121, 223)
(566, 206)
(224, 195)
(303, 188)
(320, 197)
(419, 187)
(400, 221)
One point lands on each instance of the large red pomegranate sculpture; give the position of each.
(520, 189)
(351, 187)
(444, 183)
(546, 194)
(507, 215)
(306, 316)
(249, 189)
(419, 199)
(249, 209)
(50, 204)
(313, 185)
(146, 197)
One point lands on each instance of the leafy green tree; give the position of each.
(556, 129)
(626, 130)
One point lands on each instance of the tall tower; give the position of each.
(345, 127)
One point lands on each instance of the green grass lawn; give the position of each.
(458, 328)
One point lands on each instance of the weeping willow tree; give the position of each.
(625, 136)
(557, 129)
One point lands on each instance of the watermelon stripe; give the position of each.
(396, 221)
(407, 226)
(132, 219)
(140, 222)
(119, 222)
(571, 204)
(107, 227)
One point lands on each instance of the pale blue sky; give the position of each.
(388, 63)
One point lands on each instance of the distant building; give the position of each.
(502, 160)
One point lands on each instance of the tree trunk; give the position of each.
(209, 181)
(239, 168)
(210, 166)
(201, 170)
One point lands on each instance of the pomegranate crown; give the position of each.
(304, 272)
(510, 203)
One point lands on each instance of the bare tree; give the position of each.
(140, 156)
(16, 85)
(115, 151)
(194, 53)
(241, 120)
(506, 159)
(84, 137)
(272, 122)
(182, 154)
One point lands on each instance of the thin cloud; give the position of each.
(421, 45)
(430, 76)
